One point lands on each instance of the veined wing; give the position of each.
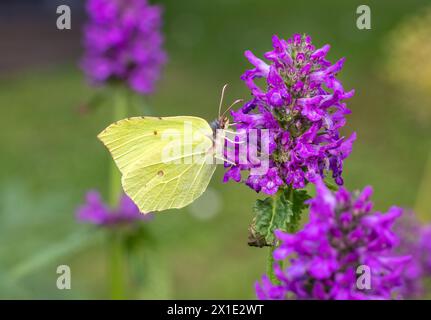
(159, 186)
(131, 139)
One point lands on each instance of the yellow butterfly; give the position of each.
(155, 177)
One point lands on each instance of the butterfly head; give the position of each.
(220, 123)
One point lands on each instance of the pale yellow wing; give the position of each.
(160, 186)
(165, 162)
(130, 139)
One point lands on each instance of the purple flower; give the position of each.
(271, 181)
(123, 43)
(415, 240)
(425, 245)
(343, 234)
(302, 107)
(96, 212)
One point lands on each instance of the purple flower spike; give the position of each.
(415, 240)
(302, 107)
(343, 238)
(123, 43)
(94, 211)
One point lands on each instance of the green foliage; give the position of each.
(299, 197)
(283, 212)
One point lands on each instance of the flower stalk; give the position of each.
(290, 227)
(270, 266)
(123, 50)
(119, 112)
(117, 266)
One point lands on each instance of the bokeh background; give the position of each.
(50, 155)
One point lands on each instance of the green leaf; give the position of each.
(299, 197)
(282, 211)
(271, 214)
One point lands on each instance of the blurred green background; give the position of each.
(50, 155)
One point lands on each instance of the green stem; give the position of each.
(117, 269)
(120, 112)
(270, 265)
(270, 260)
(117, 266)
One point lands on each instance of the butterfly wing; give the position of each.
(161, 186)
(129, 139)
(154, 180)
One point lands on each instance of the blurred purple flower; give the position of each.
(343, 233)
(302, 108)
(425, 245)
(123, 43)
(415, 240)
(96, 212)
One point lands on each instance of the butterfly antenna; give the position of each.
(232, 105)
(221, 99)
